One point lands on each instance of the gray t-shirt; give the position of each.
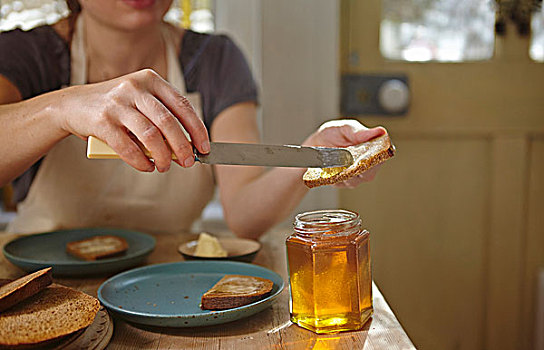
(38, 61)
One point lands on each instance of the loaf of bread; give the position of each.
(55, 312)
(365, 156)
(236, 290)
(97, 247)
(24, 287)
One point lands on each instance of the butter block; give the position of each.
(98, 149)
(209, 247)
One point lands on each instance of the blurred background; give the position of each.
(457, 217)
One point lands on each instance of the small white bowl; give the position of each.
(238, 249)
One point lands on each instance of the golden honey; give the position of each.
(329, 271)
(330, 172)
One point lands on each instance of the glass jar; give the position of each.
(329, 271)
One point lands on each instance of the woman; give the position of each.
(132, 76)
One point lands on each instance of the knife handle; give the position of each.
(98, 149)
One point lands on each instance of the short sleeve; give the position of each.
(220, 72)
(35, 61)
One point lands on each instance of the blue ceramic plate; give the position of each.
(168, 295)
(49, 249)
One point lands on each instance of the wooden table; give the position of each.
(270, 329)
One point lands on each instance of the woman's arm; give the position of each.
(140, 105)
(27, 131)
(254, 200)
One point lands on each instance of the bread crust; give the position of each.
(103, 251)
(236, 290)
(365, 155)
(54, 312)
(24, 287)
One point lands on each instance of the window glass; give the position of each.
(437, 30)
(198, 15)
(27, 14)
(536, 50)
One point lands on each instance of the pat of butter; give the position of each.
(209, 247)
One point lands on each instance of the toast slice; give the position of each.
(236, 290)
(24, 287)
(365, 155)
(97, 247)
(54, 312)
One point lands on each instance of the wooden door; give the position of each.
(457, 217)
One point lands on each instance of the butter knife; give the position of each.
(249, 154)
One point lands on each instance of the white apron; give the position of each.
(71, 191)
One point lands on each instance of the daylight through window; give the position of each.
(437, 30)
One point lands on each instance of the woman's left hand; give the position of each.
(344, 133)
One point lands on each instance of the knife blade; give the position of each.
(275, 155)
(249, 154)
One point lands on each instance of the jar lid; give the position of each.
(332, 222)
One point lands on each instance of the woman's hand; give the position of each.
(140, 106)
(344, 133)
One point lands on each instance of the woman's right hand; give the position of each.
(140, 105)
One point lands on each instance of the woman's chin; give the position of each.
(136, 23)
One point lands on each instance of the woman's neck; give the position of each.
(112, 53)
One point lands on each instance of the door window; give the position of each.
(437, 30)
(536, 50)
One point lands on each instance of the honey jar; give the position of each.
(329, 271)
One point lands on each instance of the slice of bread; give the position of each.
(97, 247)
(24, 287)
(234, 291)
(54, 312)
(365, 156)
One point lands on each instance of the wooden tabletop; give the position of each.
(269, 329)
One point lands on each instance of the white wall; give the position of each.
(293, 48)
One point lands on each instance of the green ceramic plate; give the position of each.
(168, 295)
(37, 251)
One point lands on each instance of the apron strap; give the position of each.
(174, 75)
(78, 64)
